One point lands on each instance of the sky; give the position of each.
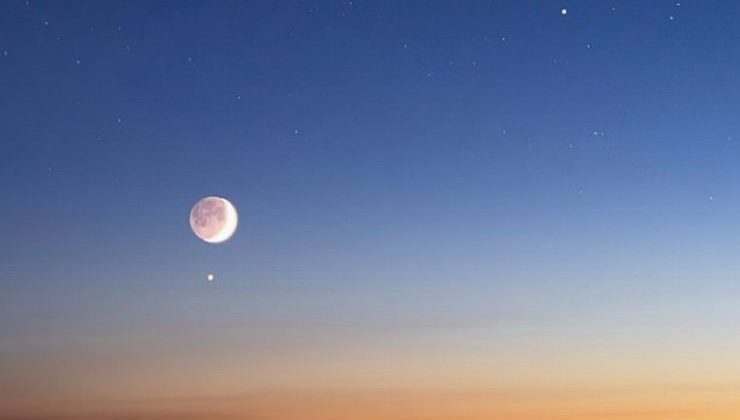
(508, 210)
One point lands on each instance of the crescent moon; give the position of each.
(214, 219)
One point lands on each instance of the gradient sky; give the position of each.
(449, 210)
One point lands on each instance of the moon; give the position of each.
(213, 219)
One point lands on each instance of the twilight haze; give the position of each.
(479, 210)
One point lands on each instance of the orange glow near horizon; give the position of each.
(634, 404)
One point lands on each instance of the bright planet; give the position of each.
(213, 219)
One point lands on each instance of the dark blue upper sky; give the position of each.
(391, 161)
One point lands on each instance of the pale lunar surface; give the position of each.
(213, 219)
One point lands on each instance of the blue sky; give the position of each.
(414, 167)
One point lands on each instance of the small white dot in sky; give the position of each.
(5, 52)
(588, 45)
(46, 23)
(711, 198)
(563, 11)
(190, 58)
(119, 120)
(77, 61)
(210, 277)
(671, 18)
(238, 96)
(295, 131)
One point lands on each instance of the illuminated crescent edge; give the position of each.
(232, 220)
